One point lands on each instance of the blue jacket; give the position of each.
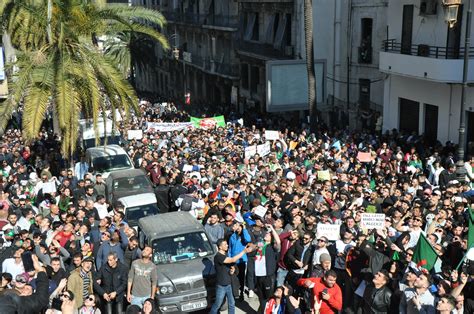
(105, 248)
(237, 244)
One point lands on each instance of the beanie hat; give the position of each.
(325, 257)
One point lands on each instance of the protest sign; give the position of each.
(364, 157)
(264, 149)
(208, 123)
(260, 211)
(331, 232)
(167, 126)
(324, 175)
(135, 134)
(49, 187)
(372, 221)
(250, 151)
(272, 135)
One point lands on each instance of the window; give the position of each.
(365, 49)
(255, 31)
(288, 30)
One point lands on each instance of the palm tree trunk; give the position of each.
(308, 39)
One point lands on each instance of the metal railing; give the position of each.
(202, 19)
(267, 50)
(423, 50)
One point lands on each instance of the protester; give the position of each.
(237, 179)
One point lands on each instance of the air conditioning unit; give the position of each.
(423, 51)
(428, 7)
(288, 50)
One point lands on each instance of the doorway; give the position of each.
(431, 123)
(409, 115)
(407, 29)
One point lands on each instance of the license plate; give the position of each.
(194, 306)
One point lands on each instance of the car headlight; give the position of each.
(166, 289)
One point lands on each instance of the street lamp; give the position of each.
(451, 8)
(451, 13)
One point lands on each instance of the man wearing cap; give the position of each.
(324, 264)
(80, 281)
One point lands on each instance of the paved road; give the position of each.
(248, 306)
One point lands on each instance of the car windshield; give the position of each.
(133, 214)
(181, 248)
(108, 163)
(132, 183)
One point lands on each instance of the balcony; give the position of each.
(204, 20)
(225, 69)
(438, 64)
(264, 51)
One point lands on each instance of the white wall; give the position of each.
(447, 97)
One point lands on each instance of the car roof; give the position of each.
(127, 173)
(138, 199)
(169, 224)
(109, 150)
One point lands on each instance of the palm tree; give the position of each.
(308, 39)
(60, 65)
(130, 51)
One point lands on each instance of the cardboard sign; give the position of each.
(324, 175)
(293, 145)
(187, 168)
(272, 135)
(135, 134)
(364, 157)
(332, 232)
(372, 221)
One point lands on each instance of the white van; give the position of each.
(105, 130)
(105, 159)
(138, 206)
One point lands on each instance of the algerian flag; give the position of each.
(208, 123)
(425, 255)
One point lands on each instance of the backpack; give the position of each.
(187, 203)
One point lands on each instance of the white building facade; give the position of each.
(348, 35)
(423, 59)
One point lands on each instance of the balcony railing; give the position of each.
(221, 68)
(423, 50)
(202, 19)
(266, 50)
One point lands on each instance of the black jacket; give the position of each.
(112, 279)
(294, 254)
(163, 198)
(376, 300)
(11, 303)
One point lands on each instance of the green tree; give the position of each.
(60, 65)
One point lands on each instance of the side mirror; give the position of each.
(141, 239)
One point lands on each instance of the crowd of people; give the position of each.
(70, 251)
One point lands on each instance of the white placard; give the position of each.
(49, 187)
(187, 168)
(264, 149)
(135, 134)
(250, 151)
(331, 232)
(272, 135)
(167, 126)
(260, 211)
(372, 221)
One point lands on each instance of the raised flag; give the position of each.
(424, 255)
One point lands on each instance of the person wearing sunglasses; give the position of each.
(91, 305)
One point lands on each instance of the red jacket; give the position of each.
(334, 304)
